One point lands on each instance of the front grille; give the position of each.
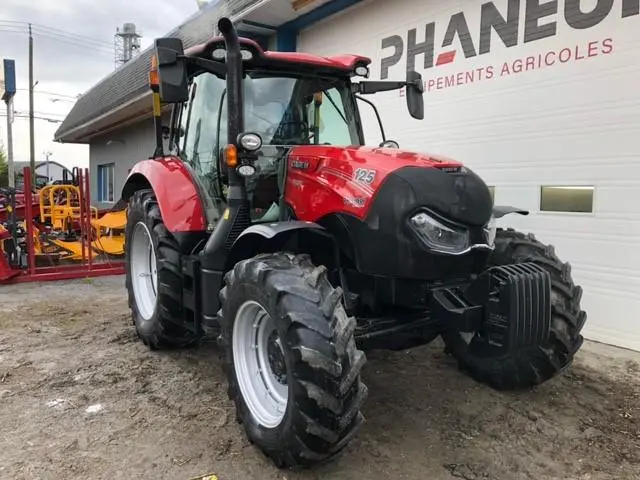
(241, 222)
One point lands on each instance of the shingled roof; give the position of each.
(130, 81)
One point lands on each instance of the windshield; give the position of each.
(300, 111)
(284, 110)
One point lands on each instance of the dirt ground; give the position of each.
(81, 397)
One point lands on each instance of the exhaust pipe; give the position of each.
(235, 104)
(237, 217)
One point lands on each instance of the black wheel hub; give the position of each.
(275, 355)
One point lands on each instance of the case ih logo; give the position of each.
(535, 26)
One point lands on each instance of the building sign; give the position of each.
(8, 83)
(540, 21)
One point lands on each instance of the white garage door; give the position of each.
(551, 121)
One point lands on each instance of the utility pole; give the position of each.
(8, 91)
(46, 156)
(10, 170)
(32, 140)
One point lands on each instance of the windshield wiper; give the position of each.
(335, 106)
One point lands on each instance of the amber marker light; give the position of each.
(231, 155)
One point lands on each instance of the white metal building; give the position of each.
(551, 120)
(540, 97)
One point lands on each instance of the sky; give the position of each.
(65, 64)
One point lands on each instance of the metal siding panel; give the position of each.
(128, 146)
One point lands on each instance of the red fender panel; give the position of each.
(175, 190)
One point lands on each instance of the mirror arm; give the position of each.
(375, 110)
(217, 68)
(365, 88)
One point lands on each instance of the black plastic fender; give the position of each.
(270, 230)
(296, 236)
(500, 211)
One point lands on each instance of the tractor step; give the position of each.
(199, 296)
(191, 293)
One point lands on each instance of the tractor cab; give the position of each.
(281, 110)
(237, 129)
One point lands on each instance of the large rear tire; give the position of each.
(153, 280)
(532, 366)
(290, 358)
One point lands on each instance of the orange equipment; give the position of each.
(60, 206)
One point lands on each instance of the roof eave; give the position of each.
(136, 107)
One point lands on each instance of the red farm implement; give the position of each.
(33, 248)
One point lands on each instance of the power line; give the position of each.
(56, 31)
(51, 94)
(55, 34)
(94, 48)
(97, 49)
(50, 120)
(42, 114)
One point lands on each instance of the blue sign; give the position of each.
(9, 79)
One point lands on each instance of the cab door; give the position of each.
(203, 125)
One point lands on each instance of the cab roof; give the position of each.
(339, 65)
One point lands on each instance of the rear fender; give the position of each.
(175, 190)
(293, 236)
(500, 211)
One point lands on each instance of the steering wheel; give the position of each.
(304, 130)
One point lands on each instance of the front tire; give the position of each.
(153, 279)
(532, 366)
(290, 358)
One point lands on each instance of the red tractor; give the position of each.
(270, 226)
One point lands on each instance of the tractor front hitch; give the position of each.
(505, 308)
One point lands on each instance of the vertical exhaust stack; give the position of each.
(235, 107)
(237, 216)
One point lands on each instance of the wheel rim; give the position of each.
(258, 358)
(144, 273)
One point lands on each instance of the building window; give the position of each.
(566, 198)
(105, 182)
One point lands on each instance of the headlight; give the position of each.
(439, 237)
(250, 141)
(246, 170)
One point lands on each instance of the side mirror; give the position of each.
(415, 100)
(172, 70)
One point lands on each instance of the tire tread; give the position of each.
(535, 365)
(320, 336)
(167, 331)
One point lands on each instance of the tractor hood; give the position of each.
(367, 196)
(383, 160)
(372, 183)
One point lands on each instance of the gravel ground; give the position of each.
(81, 397)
